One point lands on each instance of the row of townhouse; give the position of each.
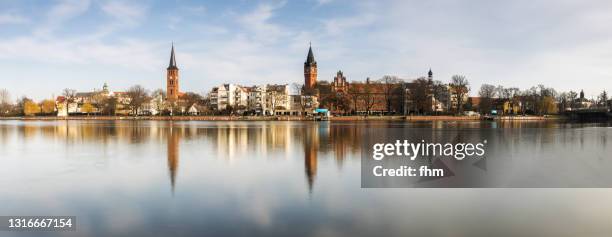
(260, 100)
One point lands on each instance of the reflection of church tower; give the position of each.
(311, 146)
(173, 155)
(310, 71)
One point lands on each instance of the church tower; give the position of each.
(310, 71)
(172, 78)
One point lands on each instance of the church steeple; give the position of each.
(172, 64)
(310, 71)
(430, 74)
(310, 58)
(172, 78)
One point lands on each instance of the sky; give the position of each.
(46, 46)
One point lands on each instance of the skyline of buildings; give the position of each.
(388, 95)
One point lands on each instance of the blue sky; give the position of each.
(46, 46)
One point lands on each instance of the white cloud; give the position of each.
(258, 23)
(60, 13)
(11, 18)
(125, 13)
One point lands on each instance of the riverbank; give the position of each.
(284, 118)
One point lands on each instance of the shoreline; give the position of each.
(286, 118)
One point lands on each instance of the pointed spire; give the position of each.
(172, 64)
(430, 73)
(310, 59)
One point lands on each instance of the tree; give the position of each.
(108, 106)
(548, 105)
(48, 106)
(369, 99)
(354, 95)
(572, 96)
(158, 96)
(276, 100)
(192, 98)
(419, 93)
(5, 102)
(87, 108)
(460, 88)
(69, 95)
(304, 100)
(441, 93)
(603, 98)
(486, 93)
(563, 101)
(138, 96)
(30, 108)
(389, 85)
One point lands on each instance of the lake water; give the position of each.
(156, 178)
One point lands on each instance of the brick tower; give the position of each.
(310, 71)
(172, 78)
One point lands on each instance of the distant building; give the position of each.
(257, 99)
(229, 95)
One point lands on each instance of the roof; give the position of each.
(310, 61)
(85, 94)
(172, 64)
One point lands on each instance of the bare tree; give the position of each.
(69, 96)
(441, 93)
(486, 93)
(369, 99)
(303, 99)
(5, 101)
(389, 84)
(460, 86)
(138, 96)
(159, 97)
(419, 93)
(354, 94)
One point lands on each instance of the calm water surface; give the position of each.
(153, 178)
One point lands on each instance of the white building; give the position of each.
(226, 95)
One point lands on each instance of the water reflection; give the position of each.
(148, 178)
(272, 140)
(173, 154)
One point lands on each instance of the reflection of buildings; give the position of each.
(173, 155)
(232, 141)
